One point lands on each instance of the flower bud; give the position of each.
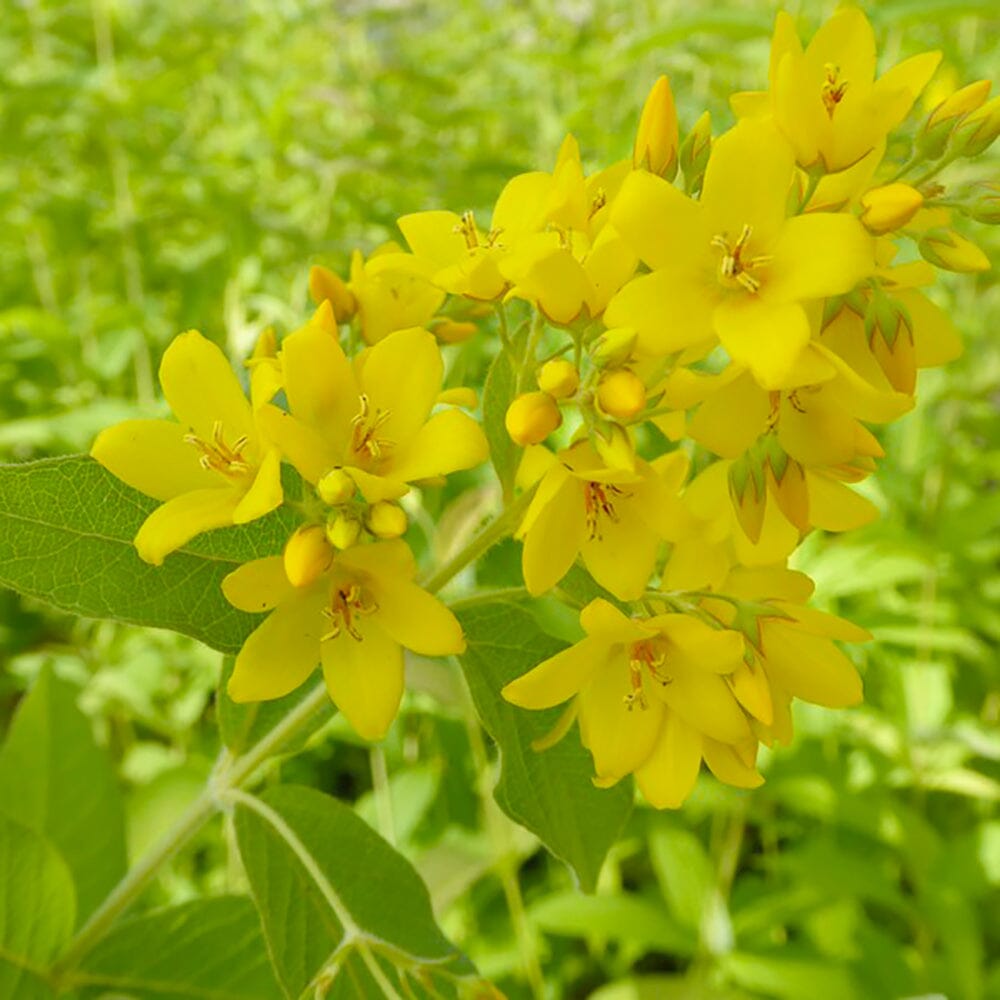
(307, 555)
(342, 531)
(387, 520)
(946, 249)
(450, 331)
(559, 378)
(888, 208)
(694, 153)
(613, 347)
(986, 207)
(655, 147)
(324, 285)
(886, 317)
(936, 131)
(336, 487)
(532, 417)
(621, 394)
(976, 132)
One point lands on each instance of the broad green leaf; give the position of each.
(240, 726)
(56, 781)
(327, 887)
(66, 530)
(643, 924)
(790, 978)
(37, 910)
(205, 948)
(498, 391)
(549, 792)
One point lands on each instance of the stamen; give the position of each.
(467, 229)
(345, 606)
(598, 202)
(734, 266)
(598, 503)
(217, 456)
(645, 657)
(366, 424)
(832, 91)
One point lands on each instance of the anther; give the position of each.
(467, 229)
(365, 426)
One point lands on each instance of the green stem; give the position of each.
(497, 529)
(814, 178)
(230, 776)
(503, 328)
(530, 350)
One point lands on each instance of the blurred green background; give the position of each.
(169, 165)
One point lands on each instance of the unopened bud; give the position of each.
(342, 531)
(613, 347)
(532, 417)
(656, 139)
(559, 378)
(450, 331)
(986, 207)
(460, 395)
(888, 208)
(946, 249)
(694, 153)
(324, 286)
(887, 318)
(621, 394)
(977, 131)
(307, 555)
(387, 520)
(336, 487)
(937, 130)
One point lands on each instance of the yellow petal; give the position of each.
(698, 645)
(377, 488)
(823, 624)
(845, 40)
(521, 204)
(265, 493)
(762, 335)
(416, 619)
(730, 420)
(603, 620)
(809, 667)
(669, 773)
(389, 559)
(282, 651)
(561, 676)
(259, 585)
(152, 457)
(836, 507)
(310, 452)
(365, 679)
(180, 519)
(201, 388)
(750, 687)
(622, 556)
(554, 538)
(435, 235)
(449, 441)
(934, 334)
(704, 701)
(725, 763)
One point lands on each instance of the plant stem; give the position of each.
(530, 350)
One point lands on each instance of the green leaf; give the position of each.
(56, 781)
(551, 792)
(37, 910)
(328, 888)
(66, 530)
(790, 978)
(498, 391)
(211, 948)
(686, 876)
(242, 725)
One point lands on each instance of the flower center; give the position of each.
(346, 605)
(365, 440)
(833, 89)
(598, 502)
(219, 457)
(737, 264)
(467, 230)
(644, 658)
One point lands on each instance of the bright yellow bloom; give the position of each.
(354, 619)
(211, 467)
(732, 265)
(631, 676)
(826, 100)
(614, 518)
(392, 291)
(372, 419)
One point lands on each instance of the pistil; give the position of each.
(347, 605)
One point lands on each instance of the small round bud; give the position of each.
(335, 488)
(621, 394)
(532, 417)
(890, 207)
(613, 347)
(307, 555)
(325, 286)
(387, 520)
(342, 531)
(450, 331)
(559, 378)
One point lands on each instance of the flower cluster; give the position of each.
(744, 305)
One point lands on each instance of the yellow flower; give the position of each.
(731, 264)
(632, 677)
(614, 518)
(826, 100)
(211, 467)
(371, 420)
(354, 619)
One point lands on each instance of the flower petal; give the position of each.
(376, 488)
(152, 457)
(259, 585)
(670, 771)
(622, 555)
(202, 388)
(762, 335)
(603, 620)
(561, 676)
(311, 454)
(704, 701)
(809, 667)
(180, 519)
(265, 493)
(449, 441)
(553, 540)
(416, 619)
(699, 646)
(727, 765)
(365, 679)
(282, 651)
